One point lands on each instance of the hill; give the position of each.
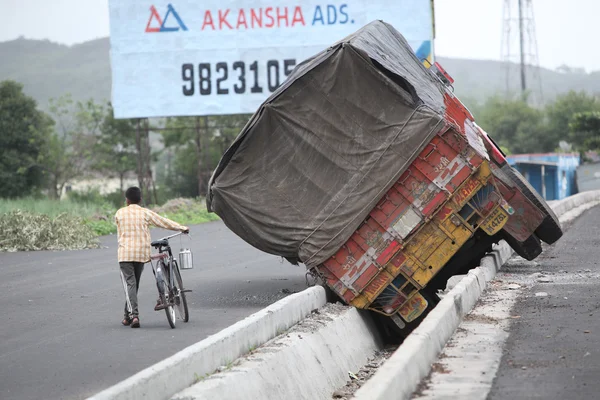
(49, 70)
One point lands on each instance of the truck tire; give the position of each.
(549, 230)
(529, 249)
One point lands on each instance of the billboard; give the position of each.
(215, 57)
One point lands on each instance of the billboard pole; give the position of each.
(199, 151)
(148, 158)
(138, 145)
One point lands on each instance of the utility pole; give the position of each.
(522, 47)
(519, 29)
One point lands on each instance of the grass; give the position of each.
(96, 216)
(196, 214)
(29, 223)
(101, 227)
(53, 208)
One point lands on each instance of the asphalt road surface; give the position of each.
(553, 350)
(60, 332)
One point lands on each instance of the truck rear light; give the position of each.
(507, 207)
(391, 301)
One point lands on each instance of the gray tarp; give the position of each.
(325, 147)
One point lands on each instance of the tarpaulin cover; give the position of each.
(320, 152)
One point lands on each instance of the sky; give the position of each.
(464, 28)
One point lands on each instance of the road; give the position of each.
(534, 334)
(61, 337)
(553, 350)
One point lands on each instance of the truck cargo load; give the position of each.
(367, 168)
(326, 145)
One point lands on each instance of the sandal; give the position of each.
(135, 322)
(126, 321)
(159, 305)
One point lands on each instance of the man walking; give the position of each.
(133, 231)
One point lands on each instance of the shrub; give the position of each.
(22, 230)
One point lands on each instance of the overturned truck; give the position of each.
(366, 168)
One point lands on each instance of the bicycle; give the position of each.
(169, 282)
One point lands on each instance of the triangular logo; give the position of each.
(154, 16)
(171, 11)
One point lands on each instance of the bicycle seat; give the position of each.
(160, 243)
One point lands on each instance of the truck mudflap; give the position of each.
(424, 219)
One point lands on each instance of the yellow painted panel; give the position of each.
(410, 266)
(425, 242)
(360, 302)
(484, 171)
(441, 256)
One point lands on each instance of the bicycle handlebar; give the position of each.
(172, 236)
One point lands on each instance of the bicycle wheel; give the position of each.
(180, 300)
(165, 295)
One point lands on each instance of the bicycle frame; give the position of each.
(167, 261)
(168, 268)
(170, 288)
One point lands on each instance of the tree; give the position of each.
(585, 130)
(115, 150)
(188, 134)
(70, 149)
(199, 142)
(560, 113)
(24, 132)
(515, 125)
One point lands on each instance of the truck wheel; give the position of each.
(549, 230)
(529, 249)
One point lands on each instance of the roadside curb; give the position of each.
(399, 376)
(166, 378)
(309, 361)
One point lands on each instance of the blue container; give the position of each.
(552, 174)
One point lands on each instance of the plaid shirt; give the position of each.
(133, 230)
